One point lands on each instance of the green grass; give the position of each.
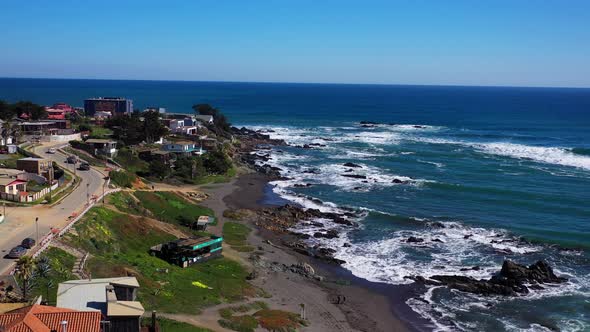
(119, 245)
(170, 207)
(123, 178)
(61, 264)
(100, 132)
(217, 178)
(125, 202)
(130, 161)
(236, 235)
(168, 325)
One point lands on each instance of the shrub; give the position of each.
(123, 178)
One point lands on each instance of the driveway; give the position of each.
(20, 221)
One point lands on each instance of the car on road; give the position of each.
(28, 243)
(72, 160)
(51, 151)
(17, 252)
(84, 166)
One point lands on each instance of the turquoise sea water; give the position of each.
(505, 171)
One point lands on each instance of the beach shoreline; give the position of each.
(368, 306)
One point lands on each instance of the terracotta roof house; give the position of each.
(40, 318)
(115, 298)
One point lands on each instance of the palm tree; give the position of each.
(43, 272)
(6, 130)
(25, 267)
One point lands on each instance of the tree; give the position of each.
(216, 162)
(34, 111)
(159, 169)
(25, 267)
(152, 127)
(220, 121)
(43, 272)
(6, 112)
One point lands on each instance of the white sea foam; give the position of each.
(549, 155)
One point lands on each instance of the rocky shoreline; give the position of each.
(512, 280)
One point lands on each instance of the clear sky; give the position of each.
(496, 42)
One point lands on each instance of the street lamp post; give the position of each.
(106, 179)
(37, 227)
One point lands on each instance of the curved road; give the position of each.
(20, 221)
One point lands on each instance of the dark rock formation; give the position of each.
(511, 280)
(413, 239)
(352, 165)
(354, 176)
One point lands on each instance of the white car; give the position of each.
(52, 151)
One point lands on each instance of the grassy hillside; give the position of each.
(119, 244)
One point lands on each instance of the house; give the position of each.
(40, 166)
(185, 252)
(184, 147)
(105, 147)
(115, 298)
(150, 155)
(14, 183)
(183, 126)
(41, 318)
(204, 118)
(12, 186)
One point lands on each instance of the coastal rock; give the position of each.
(353, 165)
(302, 185)
(398, 181)
(354, 176)
(413, 239)
(330, 234)
(512, 279)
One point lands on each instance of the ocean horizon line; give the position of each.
(492, 86)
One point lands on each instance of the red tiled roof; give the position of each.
(39, 318)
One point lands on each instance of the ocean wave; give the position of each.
(550, 155)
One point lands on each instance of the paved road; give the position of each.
(20, 221)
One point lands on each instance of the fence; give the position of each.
(46, 240)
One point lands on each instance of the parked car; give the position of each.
(84, 166)
(51, 151)
(72, 160)
(28, 243)
(17, 252)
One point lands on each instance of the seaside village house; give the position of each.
(114, 298)
(11, 186)
(41, 318)
(59, 111)
(105, 147)
(13, 182)
(39, 166)
(183, 147)
(185, 252)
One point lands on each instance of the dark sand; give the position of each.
(368, 307)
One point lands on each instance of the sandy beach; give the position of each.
(341, 302)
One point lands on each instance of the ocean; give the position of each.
(482, 174)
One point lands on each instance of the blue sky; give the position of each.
(517, 42)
